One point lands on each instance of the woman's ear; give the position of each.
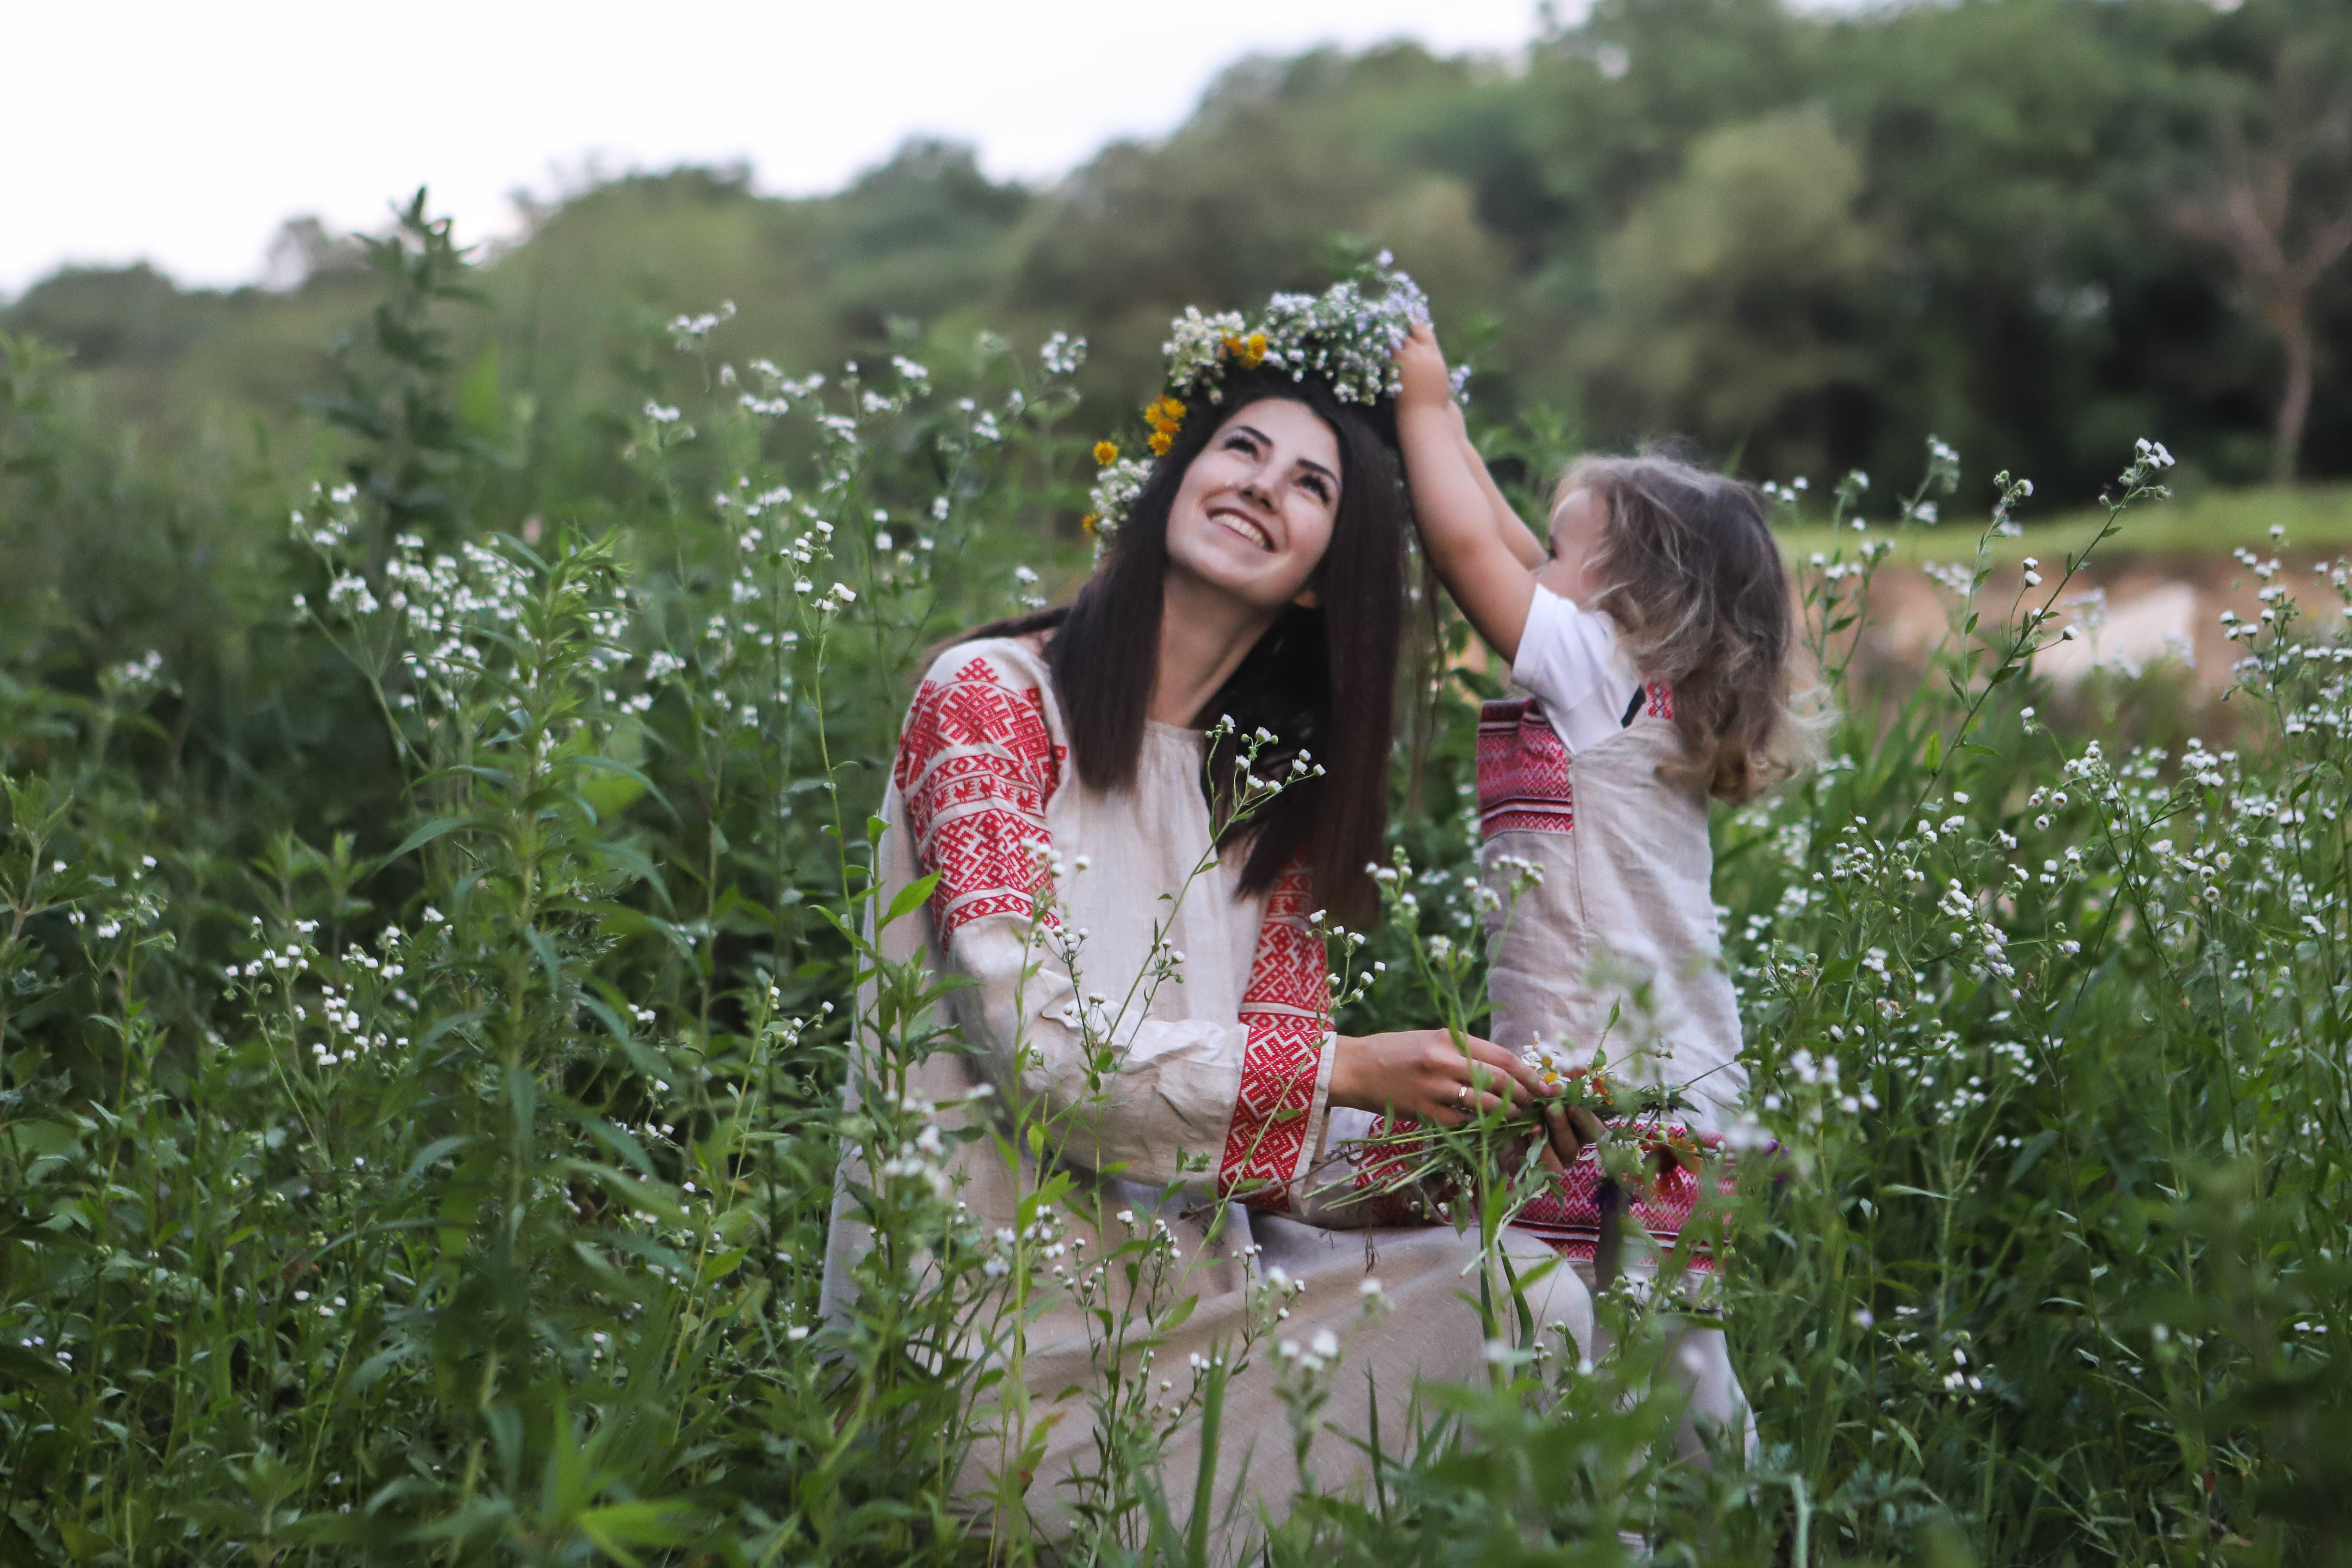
(1305, 599)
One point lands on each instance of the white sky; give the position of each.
(185, 133)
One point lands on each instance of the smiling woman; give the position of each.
(1135, 911)
(1261, 576)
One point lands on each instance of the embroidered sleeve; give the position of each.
(977, 768)
(1373, 1171)
(1525, 782)
(1285, 1069)
(1234, 1104)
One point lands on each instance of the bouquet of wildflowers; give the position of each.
(1625, 1128)
(1628, 1123)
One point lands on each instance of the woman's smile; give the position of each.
(1239, 522)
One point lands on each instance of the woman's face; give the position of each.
(1254, 515)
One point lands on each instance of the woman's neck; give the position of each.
(1204, 635)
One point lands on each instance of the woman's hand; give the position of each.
(1427, 383)
(1424, 1073)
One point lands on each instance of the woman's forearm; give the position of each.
(1428, 1074)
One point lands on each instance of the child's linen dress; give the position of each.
(1573, 779)
(1617, 949)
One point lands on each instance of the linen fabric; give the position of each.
(1623, 917)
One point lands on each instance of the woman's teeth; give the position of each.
(1248, 529)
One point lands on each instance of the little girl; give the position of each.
(1654, 639)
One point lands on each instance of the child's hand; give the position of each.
(1570, 1129)
(1422, 364)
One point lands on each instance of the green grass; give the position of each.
(2207, 523)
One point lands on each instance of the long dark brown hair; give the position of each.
(1693, 578)
(1321, 680)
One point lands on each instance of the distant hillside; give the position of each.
(1805, 243)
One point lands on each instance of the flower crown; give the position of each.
(1346, 337)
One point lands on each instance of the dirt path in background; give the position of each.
(2132, 614)
(2142, 614)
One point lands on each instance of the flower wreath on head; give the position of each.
(1346, 337)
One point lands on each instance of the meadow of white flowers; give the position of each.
(461, 1197)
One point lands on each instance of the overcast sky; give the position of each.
(183, 134)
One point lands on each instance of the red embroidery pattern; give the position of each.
(1662, 700)
(1286, 1009)
(1569, 1214)
(1385, 1166)
(977, 767)
(1523, 772)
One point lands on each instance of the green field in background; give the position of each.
(2212, 523)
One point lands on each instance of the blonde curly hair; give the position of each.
(1693, 578)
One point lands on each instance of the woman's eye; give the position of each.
(1318, 489)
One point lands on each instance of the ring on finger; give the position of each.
(1461, 1094)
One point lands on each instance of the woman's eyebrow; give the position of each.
(1256, 433)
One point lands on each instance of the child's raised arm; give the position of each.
(1518, 537)
(1456, 505)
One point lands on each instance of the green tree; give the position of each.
(1246, 196)
(2002, 144)
(2028, 171)
(2274, 195)
(1735, 301)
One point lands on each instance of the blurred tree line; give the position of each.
(2037, 228)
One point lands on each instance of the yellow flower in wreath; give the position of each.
(1106, 453)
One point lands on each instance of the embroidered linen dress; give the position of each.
(1222, 1087)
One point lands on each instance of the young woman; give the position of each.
(1056, 776)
